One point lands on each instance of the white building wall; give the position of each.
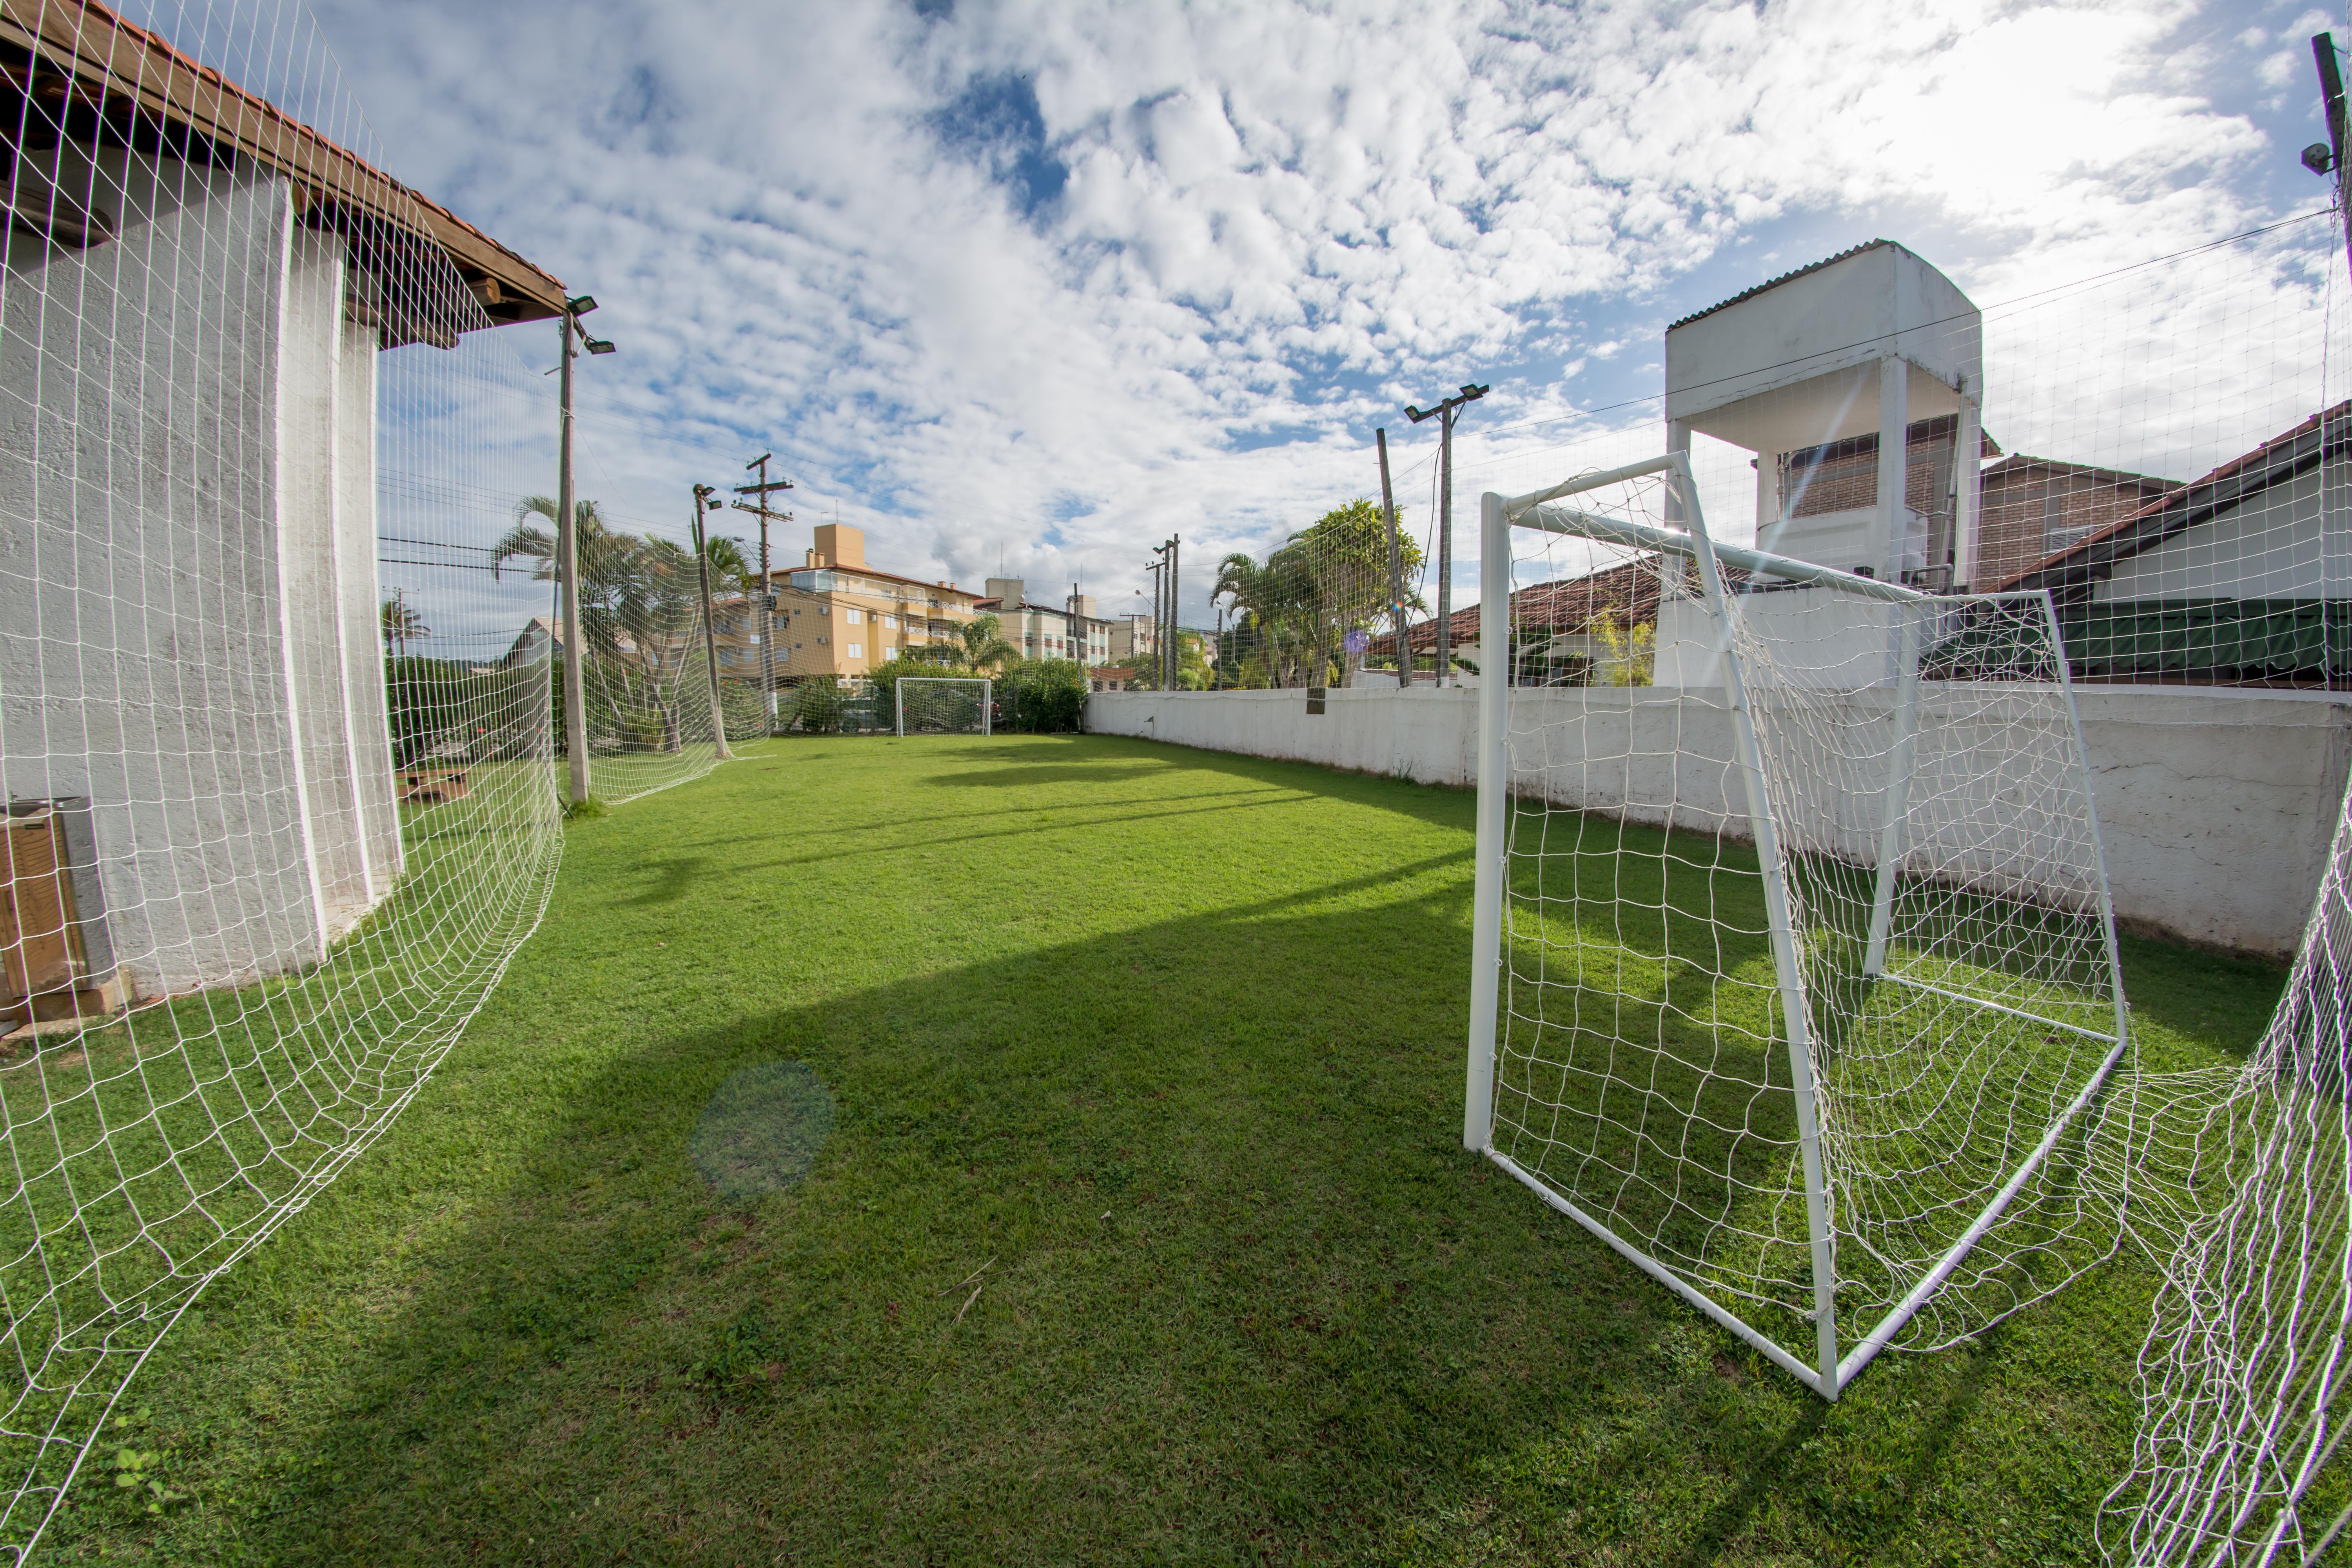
(2269, 548)
(2215, 807)
(148, 529)
(366, 718)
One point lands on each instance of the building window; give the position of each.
(890, 622)
(856, 649)
(852, 615)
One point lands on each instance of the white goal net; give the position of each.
(1795, 970)
(928, 706)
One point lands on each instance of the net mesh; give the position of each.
(2237, 1458)
(275, 735)
(1934, 849)
(928, 706)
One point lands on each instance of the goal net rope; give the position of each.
(942, 706)
(1803, 957)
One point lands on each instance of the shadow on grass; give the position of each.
(1241, 1294)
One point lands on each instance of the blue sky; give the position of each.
(1045, 283)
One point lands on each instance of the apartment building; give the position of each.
(1133, 639)
(837, 615)
(1069, 630)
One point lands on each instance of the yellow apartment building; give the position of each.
(835, 614)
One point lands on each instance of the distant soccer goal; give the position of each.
(944, 706)
(1794, 971)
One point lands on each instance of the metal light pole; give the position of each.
(2331, 98)
(1446, 412)
(567, 582)
(1396, 568)
(709, 630)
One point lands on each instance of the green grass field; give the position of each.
(1162, 1049)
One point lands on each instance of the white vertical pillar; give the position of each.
(1898, 804)
(1966, 488)
(1894, 433)
(1768, 500)
(1678, 440)
(1492, 883)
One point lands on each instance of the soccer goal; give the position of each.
(1794, 976)
(944, 706)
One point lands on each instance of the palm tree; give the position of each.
(727, 563)
(636, 596)
(983, 647)
(401, 623)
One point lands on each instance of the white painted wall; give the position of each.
(2215, 806)
(170, 549)
(2269, 548)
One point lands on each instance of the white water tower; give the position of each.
(1858, 383)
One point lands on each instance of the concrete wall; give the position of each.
(2215, 806)
(168, 445)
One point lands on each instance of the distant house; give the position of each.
(2226, 578)
(837, 616)
(2035, 507)
(1046, 631)
(1555, 625)
(541, 640)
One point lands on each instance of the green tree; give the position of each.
(637, 601)
(984, 648)
(401, 625)
(1044, 696)
(1297, 608)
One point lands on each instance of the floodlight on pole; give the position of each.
(581, 306)
(596, 346)
(1449, 408)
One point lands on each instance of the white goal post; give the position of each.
(1793, 968)
(944, 705)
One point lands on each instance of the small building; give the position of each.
(1852, 380)
(2227, 578)
(195, 294)
(1134, 638)
(1110, 677)
(1072, 630)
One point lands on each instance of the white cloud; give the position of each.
(821, 228)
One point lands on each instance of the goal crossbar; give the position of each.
(1542, 511)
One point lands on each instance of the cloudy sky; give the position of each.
(1045, 282)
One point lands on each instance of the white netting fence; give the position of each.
(275, 738)
(2238, 1458)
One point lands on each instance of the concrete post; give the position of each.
(567, 587)
(1966, 489)
(1893, 435)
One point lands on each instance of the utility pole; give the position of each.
(1447, 411)
(1170, 658)
(2330, 159)
(766, 577)
(702, 501)
(567, 583)
(1158, 605)
(1396, 568)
